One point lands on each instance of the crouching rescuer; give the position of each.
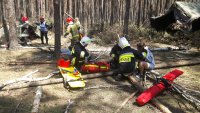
(79, 53)
(148, 62)
(115, 52)
(127, 59)
(70, 68)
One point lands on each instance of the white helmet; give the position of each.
(85, 41)
(122, 42)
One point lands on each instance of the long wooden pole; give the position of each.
(23, 78)
(178, 65)
(55, 81)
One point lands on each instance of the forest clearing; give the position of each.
(46, 74)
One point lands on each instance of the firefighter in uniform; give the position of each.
(79, 54)
(73, 28)
(115, 51)
(127, 58)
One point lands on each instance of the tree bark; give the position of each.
(85, 14)
(42, 3)
(139, 13)
(57, 28)
(126, 18)
(13, 42)
(5, 26)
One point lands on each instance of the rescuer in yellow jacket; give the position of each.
(73, 28)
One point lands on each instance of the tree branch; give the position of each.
(36, 102)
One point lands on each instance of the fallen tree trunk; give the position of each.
(56, 81)
(168, 49)
(152, 49)
(28, 78)
(34, 47)
(154, 101)
(27, 62)
(36, 102)
(23, 78)
(177, 65)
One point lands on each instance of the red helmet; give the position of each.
(24, 19)
(68, 20)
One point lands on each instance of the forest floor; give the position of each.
(100, 100)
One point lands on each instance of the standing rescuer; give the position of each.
(127, 58)
(43, 30)
(74, 30)
(79, 53)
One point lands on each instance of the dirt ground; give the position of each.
(98, 100)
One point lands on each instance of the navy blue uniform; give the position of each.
(127, 59)
(78, 59)
(115, 52)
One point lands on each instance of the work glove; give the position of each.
(88, 58)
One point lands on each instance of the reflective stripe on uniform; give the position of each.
(112, 55)
(103, 67)
(73, 51)
(144, 54)
(73, 61)
(91, 65)
(126, 57)
(82, 54)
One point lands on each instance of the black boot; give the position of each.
(119, 77)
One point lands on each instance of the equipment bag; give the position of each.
(95, 67)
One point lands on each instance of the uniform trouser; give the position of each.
(73, 42)
(114, 64)
(44, 34)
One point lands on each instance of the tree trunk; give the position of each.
(38, 9)
(85, 14)
(42, 3)
(13, 43)
(5, 26)
(33, 10)
(62, 17)
(112, 12)
(126, 18)
(139, 13)
(57, 27)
